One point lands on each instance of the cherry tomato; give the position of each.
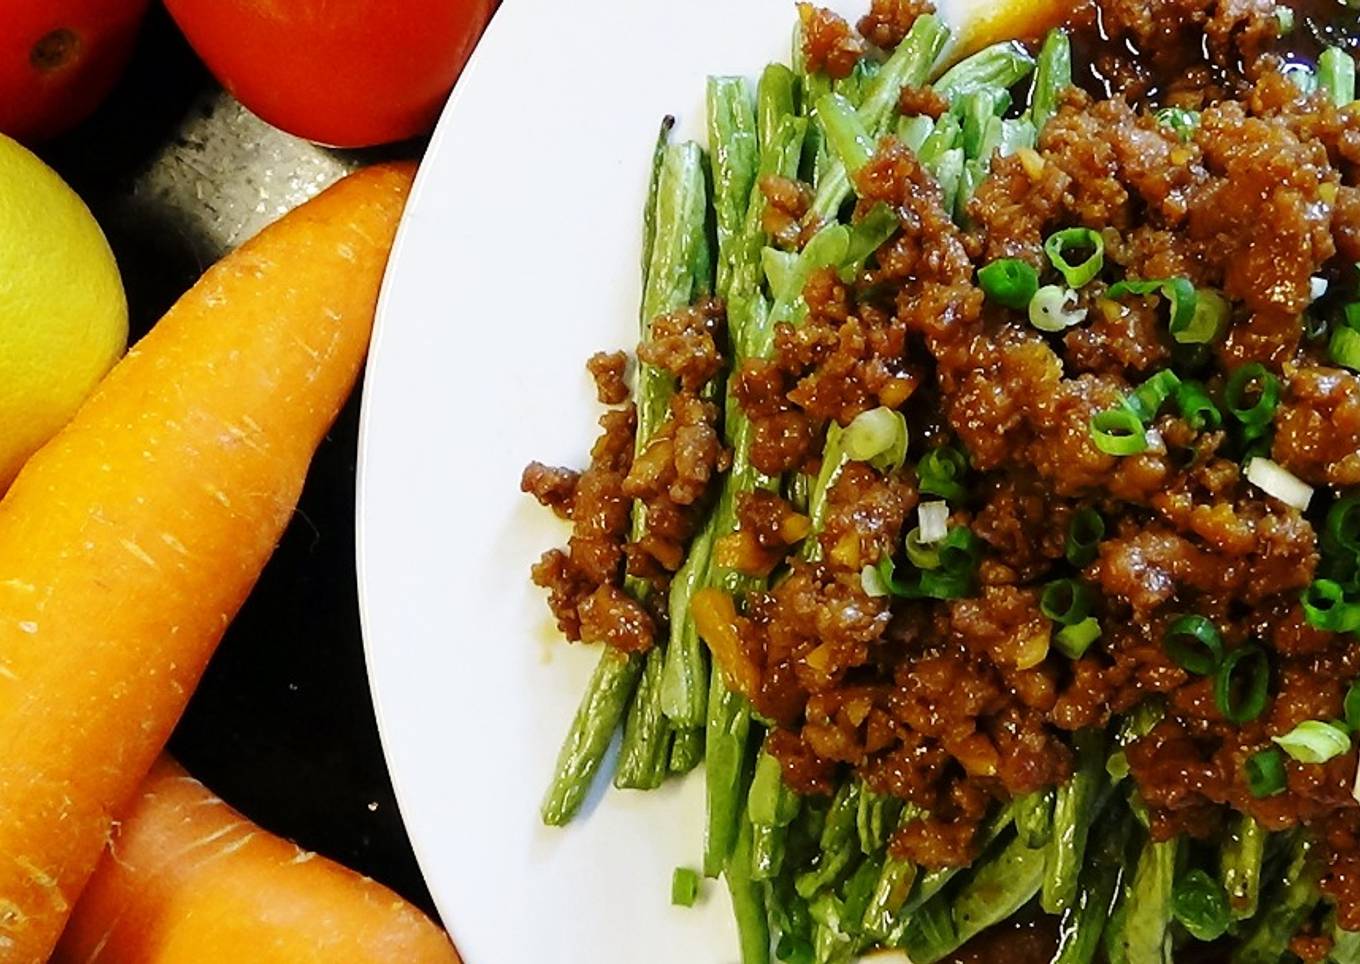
(349, 73)
(59, 59)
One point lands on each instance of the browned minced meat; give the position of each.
(685, 343)
(956, 705)
(607, 369)
(611, 616)
(921, 101)
(828, 42)
(786, 202)
(888, 21)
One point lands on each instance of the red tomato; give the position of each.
(350, 73)
(58, 60)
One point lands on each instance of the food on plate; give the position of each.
(128, 542)
(347, 74)
(63, 317)
(985, 514)
(187, 878)
(59, 59)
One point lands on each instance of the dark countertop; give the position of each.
(282, 726)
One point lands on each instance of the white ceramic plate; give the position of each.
(517, 260)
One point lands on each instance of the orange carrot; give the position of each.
(130, 540)
(188, 879)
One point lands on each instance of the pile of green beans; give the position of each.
(813, 880)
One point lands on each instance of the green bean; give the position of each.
(909, 66)
(776, 100)
(1034, 817)
(845, 134)
(1083, 924)
(893, 886)
(771, 807)
(992, 891)
(687, 749)
(839, 844)
(1051, 78)
(855, 86)
(684, 689)
(673, 234)
(644, 755)
(1145, 937)
(1288, 906)
(913, 131)
(1073, 811)
(602, 707)
(748, 902)
(831, 944)
(947, 134)
(876, 816)
(732, 146)
(1016, 134)
(1240, 863)
(725, 742)
(981, 126)
(1000, 66)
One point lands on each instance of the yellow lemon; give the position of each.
(63, 314)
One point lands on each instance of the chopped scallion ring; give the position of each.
(872, 583)
(939, 471)
(1066, 601)
(1326, 607)
(1275, 480)
(934, 521)
(921, 554)
(1242, 684)
(1084, 533)
(1314, 741)
(1196, 408)
(1194, 644)
(1207, 320)
(879, 436)
(1052, 309)
(1009, 282)
(684, 887)
(1341, 531)
(1063, 244)
(1148, 398)
(1074, 641)
(1182, 122)
(1344, 348)
(1118, 431)
(1252, 381)
(1179, 293)
(1265, 773)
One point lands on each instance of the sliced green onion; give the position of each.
(1183, 123)
(938, 584)
(1275, 480)
(1265, 773)
(1194, 644)
(1301, 76)
(1207, 320)
(1341, 531)
(1148, 398)
(1326, 607)
(684, 887)
(1344, 348)
(1352, 706)
(1118, 432)
(1336, 76)
(1200, 903)
(1284, 21)
(922, 554)
(1314, 741)
(1117, 766)
(1178, 292)
(933, 518)
(939, 472)
(1073, 641)
(878, 435)
(1317, 287)
(872, 583)
(1009, 282)
(960, 550)
(1084, 533)
(1248, 382)
(1052, 309)
(1352, 314)
(1196, 408)
(1242, 684)
(1066, 601)
(1061, 245)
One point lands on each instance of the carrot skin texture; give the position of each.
(188, 879)
(130, 540)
